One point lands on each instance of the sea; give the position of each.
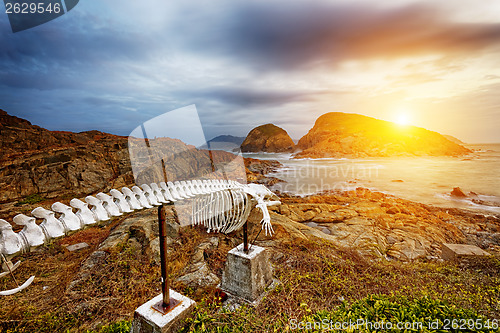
(428, 180)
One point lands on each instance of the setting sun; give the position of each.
(402, 117)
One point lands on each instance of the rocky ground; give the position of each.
(383, 225)
(105, 282)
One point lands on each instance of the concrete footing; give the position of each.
(456, 252)
(247, 275)
(149, 320)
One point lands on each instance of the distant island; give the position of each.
(338, 134)
(224, 142)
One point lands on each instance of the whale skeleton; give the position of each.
(218, 205)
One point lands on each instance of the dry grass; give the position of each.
(127, 278)
(314, 277)
(318, 277)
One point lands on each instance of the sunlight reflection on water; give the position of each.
(423, 179)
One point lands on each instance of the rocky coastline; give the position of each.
(40, 167)
(382, 225)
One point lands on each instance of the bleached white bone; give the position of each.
(8, 266)
(183, 190)
(178, 189)
(190, 188)
(186, 189)
(173, 191)
(200, 186)
(131, 199)
(83, 212)
(150, 195)
(141, 197)
(51, 226)
(11, 243)
(109, 204)
(32, 235)
(243, 205)
(210, 185)
(97, 208)
(260, 193)
(166, 192)
(121, 201)
(193, 188)
(218, 184)
(18, 289)
(228, 204)
(158, 193)
(69, 219)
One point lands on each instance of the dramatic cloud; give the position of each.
(295, 35)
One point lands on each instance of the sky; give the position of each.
(113, 65)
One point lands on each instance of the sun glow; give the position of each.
(403, 117)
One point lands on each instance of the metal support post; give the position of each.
(167, 303)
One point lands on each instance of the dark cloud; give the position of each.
(245, 97)
(65, 55)
(286, 35)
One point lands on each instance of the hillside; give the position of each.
(42, 164)
(268, 138)
(54, 164)
(453, 139)
(338, 134)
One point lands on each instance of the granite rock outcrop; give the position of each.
(268, 138)
(338, 134)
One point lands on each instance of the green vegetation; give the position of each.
(118, 327)
(370, 314)
(395, 313)
(31, 199)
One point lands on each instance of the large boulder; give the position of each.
(268, 138)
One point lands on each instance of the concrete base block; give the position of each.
(233, 302)
(148, 320)
(246, 276)
(461, 251)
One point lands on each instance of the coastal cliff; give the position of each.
(37, 164)
(268, 138)
(53, 164)
(337, 134)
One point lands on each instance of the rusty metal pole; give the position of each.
(167, 303)
(245, 237)
(163, 256)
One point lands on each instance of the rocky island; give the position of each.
(338, 134)
(267, 138)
